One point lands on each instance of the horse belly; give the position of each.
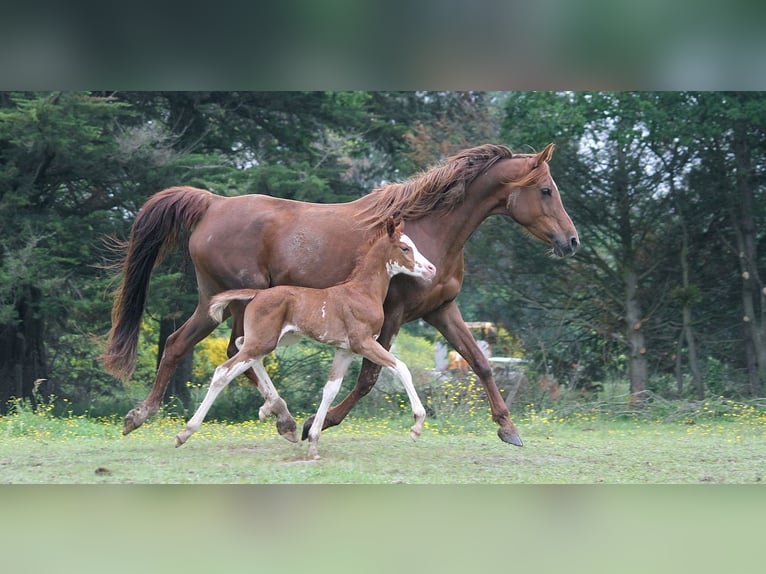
(319, 253)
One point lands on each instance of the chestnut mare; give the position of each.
(257, 241)
(347, 316)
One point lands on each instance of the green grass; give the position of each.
(705, 445)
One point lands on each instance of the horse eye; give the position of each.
(546, 191)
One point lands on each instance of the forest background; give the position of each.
(666, 189)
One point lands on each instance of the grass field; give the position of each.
(704, 446)
(496, 514)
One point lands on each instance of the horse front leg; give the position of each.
(178, 344)
(449, 321)
(368, 376)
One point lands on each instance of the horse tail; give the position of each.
(220, 301)
(158, 227)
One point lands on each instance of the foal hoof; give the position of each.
(509, 436)
(179, 442)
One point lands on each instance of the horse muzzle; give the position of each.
(568, 246)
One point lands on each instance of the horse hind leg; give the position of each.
(177, 345)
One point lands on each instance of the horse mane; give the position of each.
(437, 190)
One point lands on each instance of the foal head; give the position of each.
(402, 256)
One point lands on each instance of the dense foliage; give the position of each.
(666, 190)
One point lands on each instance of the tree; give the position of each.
(731, 153)
(616, 188)
(665, 189)
(57, 186)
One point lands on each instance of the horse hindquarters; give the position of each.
(155, 231)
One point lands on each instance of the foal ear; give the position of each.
(545, 155)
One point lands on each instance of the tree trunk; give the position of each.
(687, 330)
(753, 296)
(22, 350)
(691, 350)
(635, 335)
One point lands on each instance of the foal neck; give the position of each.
(371, 272)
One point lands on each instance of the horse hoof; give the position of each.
(131, 422)
(414, 435)
(509, 436)
(307, 427)
(179, 442)
(287, 430)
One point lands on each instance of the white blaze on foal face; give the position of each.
(421, 267)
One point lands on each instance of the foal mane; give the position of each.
(434, 191)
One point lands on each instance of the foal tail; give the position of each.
(158, 227)
(220, 301)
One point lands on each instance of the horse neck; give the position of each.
(455, 228)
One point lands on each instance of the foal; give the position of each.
(348, 316)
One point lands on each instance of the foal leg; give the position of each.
(375, 352)
(273, 403)
(448, 320)
(340, 364)
(368, 375)
(418, 411)
(178, 344)
(223, 375)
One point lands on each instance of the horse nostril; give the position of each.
(574, 242)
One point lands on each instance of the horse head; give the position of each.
(535, 203)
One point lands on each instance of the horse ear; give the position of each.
(390, 226)
(545, 155)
